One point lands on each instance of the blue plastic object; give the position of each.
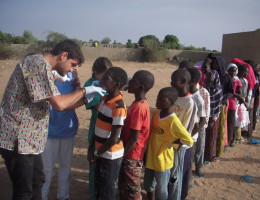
(248, 178)
(254, 141)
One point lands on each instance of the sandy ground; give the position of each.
(222, 179)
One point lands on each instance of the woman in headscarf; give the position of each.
(218, 64)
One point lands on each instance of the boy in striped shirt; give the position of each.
(109, 148)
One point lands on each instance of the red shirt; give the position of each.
(138, 118)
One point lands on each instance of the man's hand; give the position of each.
(94, 89)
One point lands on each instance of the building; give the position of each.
(244, 45)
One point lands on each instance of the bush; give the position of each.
(154, 51)
(129, 44)
(148, 37)
(6, 51)
(172, 42)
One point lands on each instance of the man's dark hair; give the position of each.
(73, 49)
(145, 78)
(185, 64)
(195, 74)
(184, 74)
(101, 64)
(118, 75)
(170, 92)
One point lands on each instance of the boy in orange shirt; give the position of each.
(135, 136)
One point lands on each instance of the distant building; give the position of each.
(244, 45)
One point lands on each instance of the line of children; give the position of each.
(183, 111)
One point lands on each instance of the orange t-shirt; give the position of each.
(138, 118)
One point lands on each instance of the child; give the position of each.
(232, 103)
(100, 66)
(166, 128)
(212, 84)
(200, 144)
(201, 116)
(109, 148)
(186, 110)
(242, 112)
(135, 136)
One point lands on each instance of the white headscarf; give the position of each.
(232, 65)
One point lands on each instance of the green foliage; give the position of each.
(2, 37)
(105, 40)
(148, 37)
(18, 40)
(154, 51)
(192, 48)
(171, 42)
(29, 38)
(54, 38)
(129, 44)
(6, 51)
(79, 42)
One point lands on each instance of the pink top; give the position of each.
(232, 105)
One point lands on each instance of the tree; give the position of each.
(29, 38)
(129, 44)
(106, 40)
(171, 41)
(2, 37)
(54, 38)
(148, 37)
(18, 40)
(153, 51)
(79, 42)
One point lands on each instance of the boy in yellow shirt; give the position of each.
(165, 129)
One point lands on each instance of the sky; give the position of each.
(200, 23)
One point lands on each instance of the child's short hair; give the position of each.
(242, 68)
(184, 74)
(101, 64)
(170, 92)
(145, 78)
(73, 49)
(195, 74)
(185, 64)
(118, 75)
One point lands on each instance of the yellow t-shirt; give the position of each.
(163, 133)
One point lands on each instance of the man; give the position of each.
(24, 114)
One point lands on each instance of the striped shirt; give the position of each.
(110, 113)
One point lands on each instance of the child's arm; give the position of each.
(90, 149)
(247, 92)
(116, 130)
(181, 133)
(131, 140)
(198, 126)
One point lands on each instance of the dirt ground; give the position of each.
(222, 179)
